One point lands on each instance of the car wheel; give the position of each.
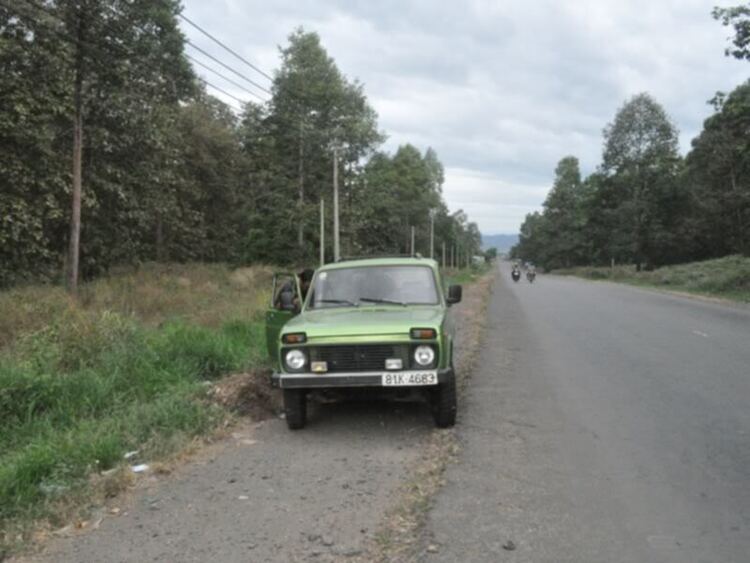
(295, 408)
(444, 404)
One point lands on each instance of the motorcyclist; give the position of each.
(516, 272)
(531, 272)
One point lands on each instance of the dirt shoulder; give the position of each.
(327, 493)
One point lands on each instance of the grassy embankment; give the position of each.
(727, 278)
(124, 368)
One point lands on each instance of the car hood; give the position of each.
(365, 321)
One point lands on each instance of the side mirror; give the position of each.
(454, 294)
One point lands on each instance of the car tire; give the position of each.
(444, 404)
(295, 408)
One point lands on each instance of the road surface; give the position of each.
(603, 423)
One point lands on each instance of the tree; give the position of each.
(115, 65)
(739, 18)
(641, 159)
(718, 172)
(562, 212)
(315, 111)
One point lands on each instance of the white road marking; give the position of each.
(699, 333)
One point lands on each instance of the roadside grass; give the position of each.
(726, 278)
(126, 368)
(204, 294)
(464, 275)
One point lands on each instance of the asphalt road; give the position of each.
(604, 423)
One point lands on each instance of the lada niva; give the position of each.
(375, 323)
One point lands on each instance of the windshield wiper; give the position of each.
(338, 302)
(389, 301)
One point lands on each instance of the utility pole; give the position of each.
(301, 186)
(336, 242)
(75, 219)
(432, 233)
(412, 240)
(322, 231)
(443, 255)
(453, 255)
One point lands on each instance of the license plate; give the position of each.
(407, 379)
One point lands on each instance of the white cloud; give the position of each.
(502, 90)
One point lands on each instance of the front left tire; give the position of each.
(445, 404)
(295, 408)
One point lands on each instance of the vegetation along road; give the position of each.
(604, 423)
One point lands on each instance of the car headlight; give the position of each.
(295, 360)
(424, 355)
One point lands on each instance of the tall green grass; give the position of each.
(727, 277)
(90, 386)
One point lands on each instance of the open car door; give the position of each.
(285, 303)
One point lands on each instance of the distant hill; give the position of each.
(501, 242)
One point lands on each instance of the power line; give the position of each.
(207, 83)
(240, 57)
(217, 73)
(229, 68)
(92, 48)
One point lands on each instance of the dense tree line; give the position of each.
(170, 173)
(645, 204)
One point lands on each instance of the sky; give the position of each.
(502, 90)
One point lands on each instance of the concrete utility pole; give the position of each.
(322, 231)
(432, 233)
(412, 240)
(301, 187)
(75, 217)
(443, 255)
(336, 247)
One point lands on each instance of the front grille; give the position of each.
(363, 357)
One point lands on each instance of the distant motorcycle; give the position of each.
(530, 276)
(516, 275)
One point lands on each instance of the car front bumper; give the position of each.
(352, 379)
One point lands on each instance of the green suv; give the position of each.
(377, 323)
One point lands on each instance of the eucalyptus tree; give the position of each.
(641, 159)
(718, 171)
(562, 212)
(315, 111)
(113, 66)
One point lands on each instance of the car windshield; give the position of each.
(382, 285)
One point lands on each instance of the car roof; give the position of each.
(395, 261)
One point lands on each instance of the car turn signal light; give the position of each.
(294, 338)
(423, 333)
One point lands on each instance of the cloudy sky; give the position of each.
(501, 89)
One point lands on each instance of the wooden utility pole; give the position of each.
(75, 217)
(336, 242)
(322, 231)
